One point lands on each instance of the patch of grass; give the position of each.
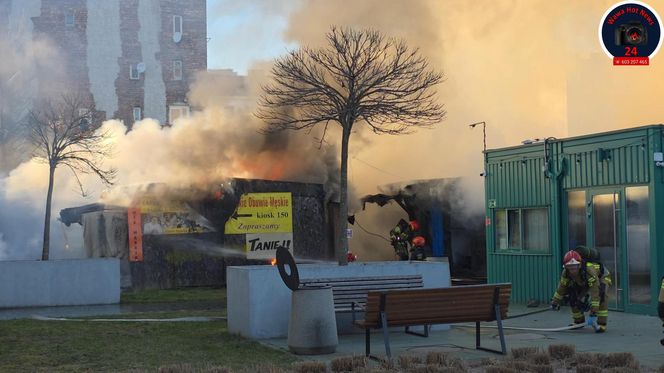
(539, 358)
(584, 368)
(619, 359)
(634, 369)
(76, 346)
(537, 368)
(262, 368)
(445, 360)
(348, 364)
(407, 361)
(495, 369)
(450, 370)
(589, 358)
(562, 352)
(188, 368)
(175, 295)
(517, 365)
(162, 314)
(423, 369)
(309, 367)
(523, 352)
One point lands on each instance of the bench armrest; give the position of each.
(352, 308)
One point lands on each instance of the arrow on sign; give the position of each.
(236, 215)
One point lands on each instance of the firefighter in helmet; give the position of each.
(399, 236)
(417, 248)
(580, 287)
(417, 241)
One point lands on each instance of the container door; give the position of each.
(604, 214)
(637, 244)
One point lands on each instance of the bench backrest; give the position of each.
(355, 289)
(437, 306)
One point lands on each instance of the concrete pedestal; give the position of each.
(312, 327)
(259, 302)
(66, 282)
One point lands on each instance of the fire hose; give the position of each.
(560, 329)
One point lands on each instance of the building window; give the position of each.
(84, 119)
(177, 111)
(177, 29)
(133, 72)
(69, 19)
(522, 230)
(177, 70)
(138, 115)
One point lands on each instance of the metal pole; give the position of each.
(483, 132)
(484, 172)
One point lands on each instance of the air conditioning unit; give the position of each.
(177, 36)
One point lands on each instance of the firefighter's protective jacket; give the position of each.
(585, 282)
(399, 237)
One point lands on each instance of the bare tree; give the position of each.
(66, 133)
(359, 77)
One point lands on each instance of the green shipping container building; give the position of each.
(604, 190)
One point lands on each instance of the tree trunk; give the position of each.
(47, 215)
(342, 249)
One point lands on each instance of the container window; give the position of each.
(522, 230)
(536, 230)
(501, 229)
(514, 228)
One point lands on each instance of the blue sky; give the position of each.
(241, 32)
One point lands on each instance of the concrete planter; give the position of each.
(259, 303)
(59, 282)
(312, 328)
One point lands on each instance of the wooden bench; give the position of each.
(353, 290)
(426, 307)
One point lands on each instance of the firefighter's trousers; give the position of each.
(602, 310)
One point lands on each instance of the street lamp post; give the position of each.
(484, 143)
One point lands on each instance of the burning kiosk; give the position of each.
(173, 237)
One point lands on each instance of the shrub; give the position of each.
(619, 359)
(585, 368)
(523, 352)
(562, 352)
(348, 363)
(539, 358)
(407, 361)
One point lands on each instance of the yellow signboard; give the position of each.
(262, 213)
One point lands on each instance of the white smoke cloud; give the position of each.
(218, 142)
